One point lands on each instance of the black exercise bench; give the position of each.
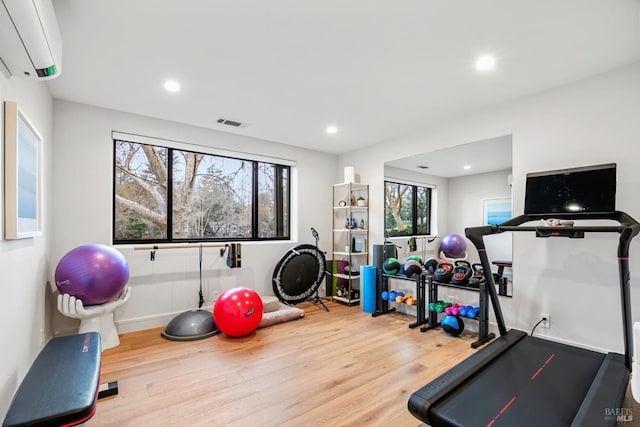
(61, 387)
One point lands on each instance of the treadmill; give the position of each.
(521, 380)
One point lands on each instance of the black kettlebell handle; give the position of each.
(477, 269)
(462, 262)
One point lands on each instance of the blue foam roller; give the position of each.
(368, 290)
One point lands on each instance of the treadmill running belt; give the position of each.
(535, 383)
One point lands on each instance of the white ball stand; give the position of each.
(95, 318)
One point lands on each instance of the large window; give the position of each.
(211, 197)
(407, 209)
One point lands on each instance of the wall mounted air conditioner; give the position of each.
(30, 41)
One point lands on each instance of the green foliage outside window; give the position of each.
(406, 209)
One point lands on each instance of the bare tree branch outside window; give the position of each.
(212, 197)
(407, 209)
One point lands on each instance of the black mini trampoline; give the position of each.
(298, 274)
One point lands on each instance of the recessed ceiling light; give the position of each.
(332, 130)
(485, 63)
(466, 167)
(172, 86)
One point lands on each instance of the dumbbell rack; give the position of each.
(421, 318)
(425, 282)
(483, 316)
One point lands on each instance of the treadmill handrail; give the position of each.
(627, 229)
(515, 223)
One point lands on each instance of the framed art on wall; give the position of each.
(496, 211)
(22, 146)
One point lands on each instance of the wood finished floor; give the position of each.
(337, 368)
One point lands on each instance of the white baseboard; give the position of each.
(148, 322)
(134, 324)
(142, 323)
(493, 327)
(573, 343)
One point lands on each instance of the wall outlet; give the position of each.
(547, 322)
(41, 337)
(216, 294)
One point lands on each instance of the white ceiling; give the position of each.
(289, 68)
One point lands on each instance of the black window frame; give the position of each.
(279, 198)
(414, 210)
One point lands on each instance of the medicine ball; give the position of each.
(412, 268)
(452, 325)
(430, 265)
(443, 272)
(391, 266)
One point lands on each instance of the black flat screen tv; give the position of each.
(589, 189)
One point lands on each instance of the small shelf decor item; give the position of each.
(361, 201)
(22, 175)
(349, 174)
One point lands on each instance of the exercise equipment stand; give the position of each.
(317, 299)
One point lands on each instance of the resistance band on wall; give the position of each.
(412, 244)
(234, 258)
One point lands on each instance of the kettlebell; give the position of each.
(443, 272)
(461, 275)
(477, 270)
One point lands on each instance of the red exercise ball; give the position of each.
(238, 311)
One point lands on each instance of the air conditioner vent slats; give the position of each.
(229, 122)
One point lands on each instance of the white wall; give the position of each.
(465, 209)
(82, 212)
(589, 122)
(24, 308)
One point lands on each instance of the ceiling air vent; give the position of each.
(229, 122)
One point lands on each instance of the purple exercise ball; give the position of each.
(453, 245)
(93, 273)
